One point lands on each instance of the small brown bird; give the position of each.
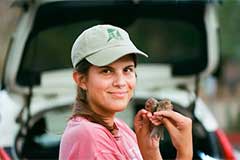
(153, 105)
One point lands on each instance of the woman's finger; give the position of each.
(156, 120)
(139, 114)
(177, 119)
(172, 129)
(141, 121)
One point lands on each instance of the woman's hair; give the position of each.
(81, 106)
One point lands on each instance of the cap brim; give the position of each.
(109, 55)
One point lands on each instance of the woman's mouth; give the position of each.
(119, 94)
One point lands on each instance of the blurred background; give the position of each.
(221, 91)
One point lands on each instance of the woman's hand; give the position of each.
(180, 129)
(149, 146)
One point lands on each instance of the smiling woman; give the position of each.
(104, 61)
(115, 84)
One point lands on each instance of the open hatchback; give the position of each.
(37, 91)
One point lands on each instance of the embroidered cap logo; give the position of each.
(114, 34)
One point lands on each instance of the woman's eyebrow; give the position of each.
(103, 67)
(132, 65)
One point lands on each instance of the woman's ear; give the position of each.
(80, 79)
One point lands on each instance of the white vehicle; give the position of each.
(37, 92)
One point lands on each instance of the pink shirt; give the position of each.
(84, 140)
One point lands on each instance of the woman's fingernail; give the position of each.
(156, 113)
(149, 114)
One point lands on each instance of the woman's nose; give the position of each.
(119, 80)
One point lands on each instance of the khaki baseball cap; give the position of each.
(102, 45)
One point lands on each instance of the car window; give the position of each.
(163, 40)
(171, 36)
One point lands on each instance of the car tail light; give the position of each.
(4, 155)
(225, 144)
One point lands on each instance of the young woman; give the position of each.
(104, 61)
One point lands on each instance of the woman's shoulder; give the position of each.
(83, 138)
(81, 127)
(81, 124)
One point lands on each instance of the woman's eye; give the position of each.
(128, 70)
(106, 71)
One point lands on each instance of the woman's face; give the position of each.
(109, 88)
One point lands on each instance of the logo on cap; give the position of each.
(113, 34)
